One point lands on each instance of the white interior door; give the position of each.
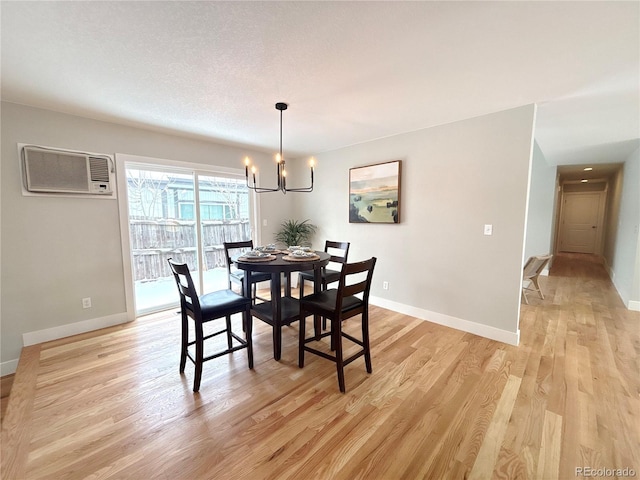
(581, 222)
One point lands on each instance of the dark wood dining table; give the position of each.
(282, 309)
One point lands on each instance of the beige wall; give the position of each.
(540, 211)
(622, 252)
(55, 251)
(439, 265)
(612, 215)
(456, 178)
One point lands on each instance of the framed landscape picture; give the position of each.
(374, 193)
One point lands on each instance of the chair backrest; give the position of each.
(346, 289)
(189, 301)
(338, 251)
(228, 246)
(535, 265)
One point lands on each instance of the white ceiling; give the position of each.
(351, 71)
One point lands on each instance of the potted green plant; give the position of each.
(292, 232)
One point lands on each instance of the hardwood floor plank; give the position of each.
(489, 451)
(6, 383)
(549, 461)
(440, 403)
(17, 427)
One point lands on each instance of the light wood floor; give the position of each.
(440, 403)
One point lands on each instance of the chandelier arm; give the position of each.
(257, 189)
(306, 189)
(280, 171)
(263, 189)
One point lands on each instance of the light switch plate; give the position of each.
(488, 229)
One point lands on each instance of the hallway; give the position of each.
(585, 351)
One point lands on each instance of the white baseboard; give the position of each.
(608, 269)
(7, 368)
(486, 331)
(631, 304)
(54, 333)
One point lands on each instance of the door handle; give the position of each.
(594, 226)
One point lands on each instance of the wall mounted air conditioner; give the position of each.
(58, 171)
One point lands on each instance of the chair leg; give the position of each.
(365, 341)
(301, 339)
(332, 337)
(185, 341)
(199, 356)
(242, 293)
(324, 319)
(247, 323)
(336, 334)
(301, 286)
(535, 283)
(229, 339)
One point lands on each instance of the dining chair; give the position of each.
(205, 308)
(236, 276)
(338, 304)
(339, 252)
(531, 272)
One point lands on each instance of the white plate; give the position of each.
(256, 254)
(302, 254)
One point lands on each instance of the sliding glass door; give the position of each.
(184, 215)
(224, 217)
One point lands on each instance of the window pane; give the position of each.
(161, 226)
(224, 212)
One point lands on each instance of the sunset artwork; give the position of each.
(374, 193)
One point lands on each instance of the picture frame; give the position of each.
(375, 193)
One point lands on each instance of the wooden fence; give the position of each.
(153, 242)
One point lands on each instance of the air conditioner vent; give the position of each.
(99, 168)
(49, 170)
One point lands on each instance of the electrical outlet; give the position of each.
(86, 302)
(385, 285)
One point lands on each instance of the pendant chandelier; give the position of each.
(280, 170)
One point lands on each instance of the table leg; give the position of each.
(276, 310)
(317, 288)
(287, 284)
(246, 291)
(246, 284)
